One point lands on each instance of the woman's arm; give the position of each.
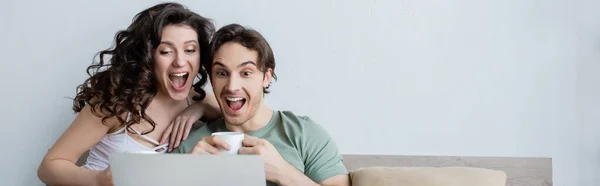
(58, 166)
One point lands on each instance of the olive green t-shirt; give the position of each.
(299, 140)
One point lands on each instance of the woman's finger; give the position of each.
(180, 130)
(188, 128)
(174, 133)
(166, 134)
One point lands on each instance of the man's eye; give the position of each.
(247, 73)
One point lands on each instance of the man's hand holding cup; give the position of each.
(275, 166)
(219, 143)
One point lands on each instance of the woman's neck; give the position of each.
(164, 100)
(164, 103)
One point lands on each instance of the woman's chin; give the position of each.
(178, 95)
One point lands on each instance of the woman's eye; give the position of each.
(165, 52)
(190, 51)
(221, 73)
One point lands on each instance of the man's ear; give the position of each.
(268, 77)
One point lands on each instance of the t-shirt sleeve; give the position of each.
(322, 159)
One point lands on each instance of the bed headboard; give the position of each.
(520, 171)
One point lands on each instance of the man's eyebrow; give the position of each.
(216, 63)
(247, 63)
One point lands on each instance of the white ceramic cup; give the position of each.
(233, 139)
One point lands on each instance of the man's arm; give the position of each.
(323, 162)
(276, 168)
(292, 176)
(339, 180)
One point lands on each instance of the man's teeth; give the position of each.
(234, 99)
(180, 74)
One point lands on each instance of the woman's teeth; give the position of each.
(178, 79)
(179, 74)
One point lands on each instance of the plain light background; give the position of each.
(405, 77)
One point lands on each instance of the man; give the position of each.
(296, 150)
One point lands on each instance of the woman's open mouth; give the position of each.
(178, 80)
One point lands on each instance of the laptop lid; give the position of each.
(186, 169)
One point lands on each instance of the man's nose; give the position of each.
(234, 84)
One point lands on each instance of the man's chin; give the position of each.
(234, 120)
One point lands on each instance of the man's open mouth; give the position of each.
(235, 103)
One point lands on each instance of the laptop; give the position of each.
(129, 169)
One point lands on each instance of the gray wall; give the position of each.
(464, 77)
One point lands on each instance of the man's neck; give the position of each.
(261, 119)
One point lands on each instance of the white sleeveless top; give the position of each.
(120, 142)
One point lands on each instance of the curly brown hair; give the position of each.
(126, 83)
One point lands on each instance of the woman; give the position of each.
(129, 102)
